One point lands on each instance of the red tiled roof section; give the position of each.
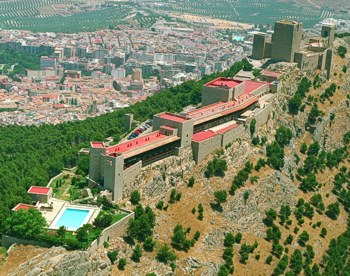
(99, 145)
(22, 206)
(136, 143)
(173, 117)
(203, 135)
(39, 190)
(223, 82)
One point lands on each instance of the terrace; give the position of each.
(139, 145)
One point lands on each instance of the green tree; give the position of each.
(61, 232)
(303, 148)
(252, 127)
(112, 255)
(220, 196)
(135, 197)
(296, 262)
(137, 253)
(122, 264)
(333, 211)
(271, 215)
(82, 233)
(303, 238)
(283, 135)
(27, 224)
(149, 244)
(191, 182)
(323, 233)
(342, 51)
(165, 255)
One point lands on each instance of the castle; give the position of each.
(288, 44)
(228, 105)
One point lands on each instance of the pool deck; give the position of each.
(58, 208)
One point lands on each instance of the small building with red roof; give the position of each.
(22, 206)
(41, 194)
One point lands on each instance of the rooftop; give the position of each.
(22, 206)
(142, 144)
(203, 135)
(223, 82)
(222, 107)
(39, 190)
(173, 117)
(99, 145)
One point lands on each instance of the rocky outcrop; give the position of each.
(158, 178)
(58, 261)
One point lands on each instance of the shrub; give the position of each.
(136, 253)
(165, 255)
(112, 256)
(122, 264)
(135, 197)
(191, 182)
(149, 244)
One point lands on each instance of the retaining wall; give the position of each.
(7, 241)
(117, 229)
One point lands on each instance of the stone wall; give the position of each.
(232, 134)
(131, 172)
(7, 241)
(117, 229)
(203, 148)
(262, 116)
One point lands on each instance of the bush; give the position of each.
(333, 210)
(160, 205)
(220, 196)
(303, 238)
(342, 51)
(191, 182)
(136, 253)
(112, 256)
(135, 197)
(216, 167)
(122, 264)
(149, 244)
(283, 135)
(165, 255)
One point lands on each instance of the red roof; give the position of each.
(168, 127)
(97, 145)
(223, 82)
(251, 86)
(173, 117)
(137, 143)
(203, 135)
(22, 206)
(39, 190)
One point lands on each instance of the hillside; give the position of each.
(308, 235)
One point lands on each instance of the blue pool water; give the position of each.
(72, 218)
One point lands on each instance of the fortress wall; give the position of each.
(231, 135)
(203, 148)
(131, 172)
(211, 95)
(263, 116)
(116, 230)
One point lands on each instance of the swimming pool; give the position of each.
(72, 218)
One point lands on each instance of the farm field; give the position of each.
(38, 15)
(252, 11)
